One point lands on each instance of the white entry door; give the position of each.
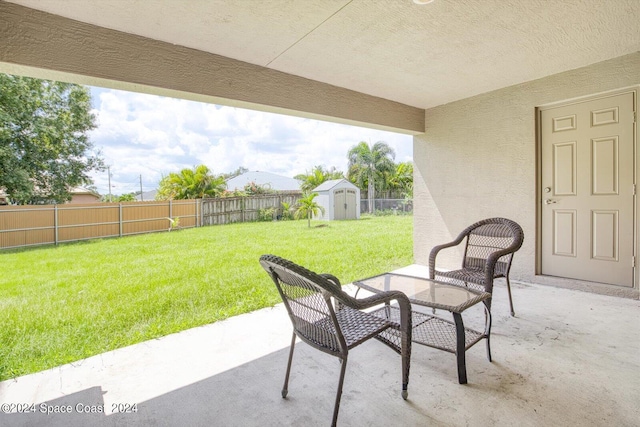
(588, 190)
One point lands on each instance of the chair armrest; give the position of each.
(377, 299)
(335, 282)
(490, 266)
(371, 301)
(332, 278)
(434, 253)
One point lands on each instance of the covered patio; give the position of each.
(568, 358)
(468, 79)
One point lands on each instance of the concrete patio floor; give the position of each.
(567, 358)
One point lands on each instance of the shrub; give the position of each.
(266, 214)
(387, 212)
(253, 189)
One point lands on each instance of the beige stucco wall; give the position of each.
(477, 159)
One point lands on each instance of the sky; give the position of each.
(145, 137)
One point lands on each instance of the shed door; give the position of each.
(588, 190)
(351, 204)
(339, 204)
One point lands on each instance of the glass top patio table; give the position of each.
(425, 292)
(431, 330)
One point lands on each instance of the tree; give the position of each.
(308, 207)
(317, 175)
(367, 166)
(114, 198)
(196, 183)
(235, 173)
(253, 189)
(128, 197)
(44, 144)
(402, 179)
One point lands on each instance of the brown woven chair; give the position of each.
(489, 248)
(331, 321)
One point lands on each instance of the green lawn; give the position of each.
(65, 303)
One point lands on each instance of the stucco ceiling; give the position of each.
(419, 55)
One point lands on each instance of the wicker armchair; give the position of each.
(331, 321)
(489, 248)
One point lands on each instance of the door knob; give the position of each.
(549, 201)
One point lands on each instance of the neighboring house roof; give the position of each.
(328, 185)
(77, 191)
(265, 179)
(147, 196)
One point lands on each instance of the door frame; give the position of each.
(635, 90)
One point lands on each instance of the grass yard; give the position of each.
(61, 304)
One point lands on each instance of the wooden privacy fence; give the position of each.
(244, 209)
(53, 224)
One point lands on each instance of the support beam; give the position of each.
(39, 44)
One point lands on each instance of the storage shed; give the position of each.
(339, 198)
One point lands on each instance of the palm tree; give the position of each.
(317, 176)
(196, 183)
(402, 179)
(286, 210)
(368, 164)
(308, 207)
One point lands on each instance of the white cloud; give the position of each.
(149, 136)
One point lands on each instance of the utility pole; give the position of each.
(141, 195)
(109, 173)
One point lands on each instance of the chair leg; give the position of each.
(406, 360)
(285, 388)
(510, 300)
(336, 407)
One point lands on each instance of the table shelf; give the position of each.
(430, 330)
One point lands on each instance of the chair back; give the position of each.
(307, 298)
(488, 236)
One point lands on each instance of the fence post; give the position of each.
(170, 209)
(55, 224)
(120, 217)
(278, 205)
